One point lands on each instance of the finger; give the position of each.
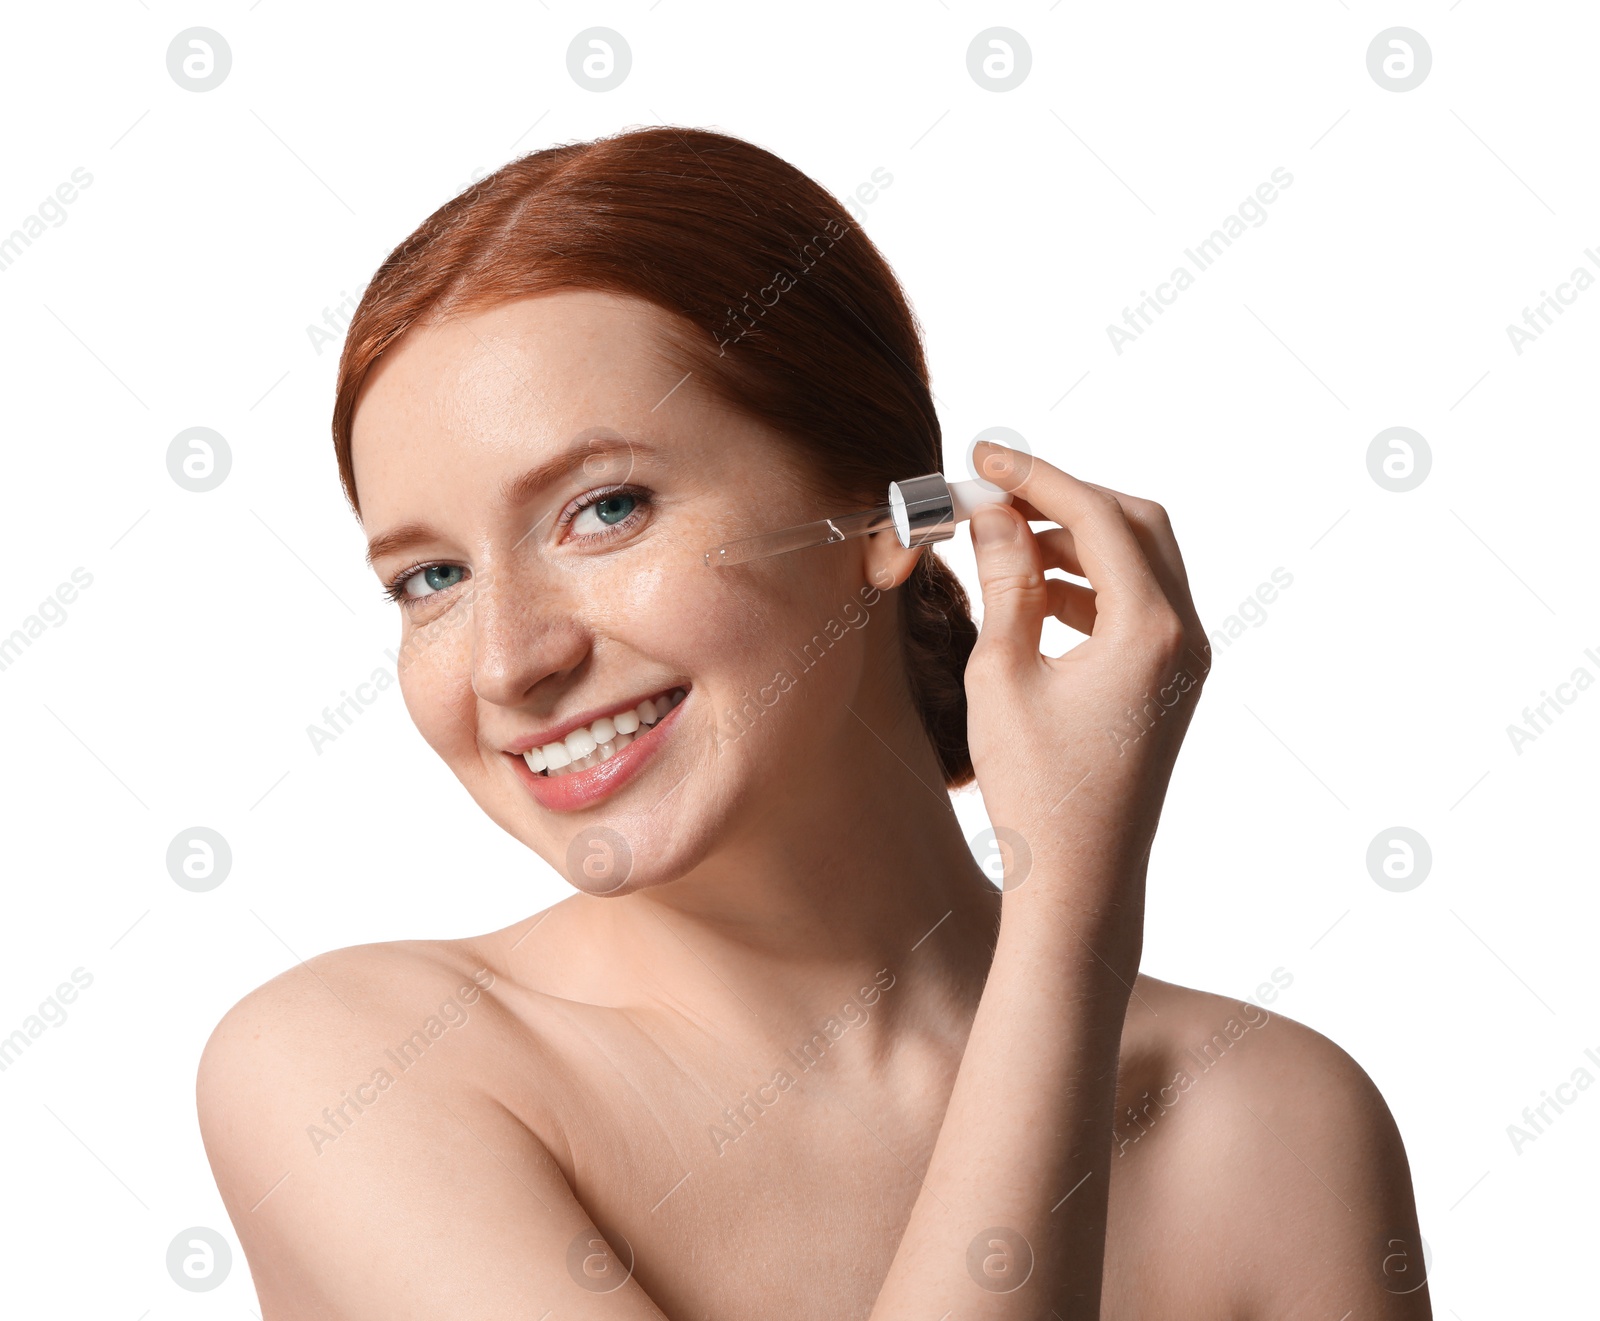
(1152, 526)
(1027, 510)
(1113, 560)
(1072, 603)
(1147, 518)
(1059, 551)
(1016, 599)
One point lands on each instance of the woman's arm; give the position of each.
(1072, 755)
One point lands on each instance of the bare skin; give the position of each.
(800, 1058)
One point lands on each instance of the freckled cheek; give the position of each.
(717, 630)
(436, 682)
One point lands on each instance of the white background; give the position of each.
(1376, 693)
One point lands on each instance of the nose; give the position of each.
(524, 632)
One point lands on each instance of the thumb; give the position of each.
(1011, 574)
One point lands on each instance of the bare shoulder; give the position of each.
(318, 1010)
(1280, 1146)
(297, 1061)
(344, 1103)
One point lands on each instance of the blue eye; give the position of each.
(433, 577)
(612, 510)
(437, 577)
(607, 512)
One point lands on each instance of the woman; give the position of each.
(786, 1051)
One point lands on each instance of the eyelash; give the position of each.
(395, 590)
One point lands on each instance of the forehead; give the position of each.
(523, 373)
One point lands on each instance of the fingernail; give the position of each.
(990, 527)
(992, 458)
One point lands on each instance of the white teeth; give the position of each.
(602, 739)
(604, 752)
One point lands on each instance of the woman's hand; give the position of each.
(1073, 753)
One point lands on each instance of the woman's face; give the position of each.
(540, 488)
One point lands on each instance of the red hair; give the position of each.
(788, 312)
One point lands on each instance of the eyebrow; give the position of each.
(516, 490)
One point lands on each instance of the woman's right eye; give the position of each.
(429, 579)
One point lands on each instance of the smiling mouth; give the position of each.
(601, 740)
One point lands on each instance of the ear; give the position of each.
(888, 563)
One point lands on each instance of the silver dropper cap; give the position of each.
(926, 509)
(923, 510)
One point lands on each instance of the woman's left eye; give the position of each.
(604, 514)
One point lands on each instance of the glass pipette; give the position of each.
(920, 510)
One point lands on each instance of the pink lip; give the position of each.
(580, 789)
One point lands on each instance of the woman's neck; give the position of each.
(814, 898)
